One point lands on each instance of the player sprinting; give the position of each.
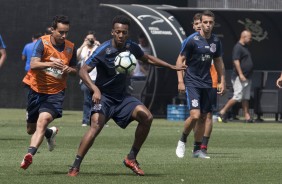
(52, 60)
(110, 99)
(198, 50)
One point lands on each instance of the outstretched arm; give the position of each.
(3, 56)
(158, 62)
(279, 81)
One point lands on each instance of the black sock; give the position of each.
(77, 161)
(197, 146)
(133, 153)
(205, 142)
(48, 133)
(32, 150)
(184, 137)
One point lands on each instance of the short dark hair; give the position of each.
(36, 35)
(142, 35)
(60, 19)
(122, 19)
(90, 32)
(207, 13)
(197, 16)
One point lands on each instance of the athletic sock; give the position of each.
(48, 133)
(183, 137)
(77, 161)
(133, 153)
(32, 150)
(205, 142)
(197, 146)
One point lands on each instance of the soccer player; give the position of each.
(202, 128)
(198, 51)
(110, 99)
(52, 60)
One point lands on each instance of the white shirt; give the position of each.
(85, 54)
(137, 71)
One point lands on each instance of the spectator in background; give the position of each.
(141, 69)
(241, 77)
(3, 54)
(89, 45)
(27, 51)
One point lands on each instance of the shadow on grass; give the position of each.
(225, 155)
(12, 139)
(97, 174)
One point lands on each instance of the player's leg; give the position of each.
(144, 118)
(193, 103)
(199, 133)
(209, 121)
(207, 132)
(41, 110)
(97, 123)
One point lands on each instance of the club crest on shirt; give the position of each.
(212, 47)
(46, 42)
(196, 37)
(195, 103)
(69, 50)
(127, 46)
(97, 107)
(108, 50)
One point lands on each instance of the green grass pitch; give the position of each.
(240, 153)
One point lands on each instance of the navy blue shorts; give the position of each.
(200, 98)
(39, 102)
(119, 111)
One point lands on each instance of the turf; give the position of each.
(240, 153)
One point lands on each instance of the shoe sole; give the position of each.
(27, 161)
(52, 137)
(124, 163)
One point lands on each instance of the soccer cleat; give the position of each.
(200, 154)
(134, 166)
(73, 171)
(51, 142)
(221, 118)
(180, 149)
(26, 161)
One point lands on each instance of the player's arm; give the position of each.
(279, 81)
(37, 64)
(3, 56)
(220, 69)
(83, 73)
(180, 74)
(158, 62)
(72, 67)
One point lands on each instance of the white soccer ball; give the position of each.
(125, 62)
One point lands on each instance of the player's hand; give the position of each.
(181, 88)
(279, 82)
(179, 67)
(221, 88)
(96, 98)
(57, 63)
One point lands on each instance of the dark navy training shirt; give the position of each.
(199, 53)
(108, 81)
